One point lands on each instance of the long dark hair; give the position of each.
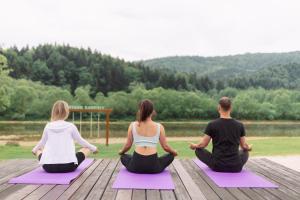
(146, 108)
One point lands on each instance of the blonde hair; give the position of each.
(60, 111)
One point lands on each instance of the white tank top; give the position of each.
(145, 141)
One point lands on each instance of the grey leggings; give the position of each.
(206, 157)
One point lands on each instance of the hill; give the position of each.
(221, 66)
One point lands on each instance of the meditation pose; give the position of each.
(227, 135)
(56, 149)
(145, 134)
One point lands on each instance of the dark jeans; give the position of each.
(65, 167)
(150, 164)
(207, 157)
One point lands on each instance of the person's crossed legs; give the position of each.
(125, 159)
(65, 167)
(165, 160)
(205, 156)
(244, 155)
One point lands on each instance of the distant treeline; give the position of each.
(23, 99)
(70, 68)
(224, 67)
(32, 79)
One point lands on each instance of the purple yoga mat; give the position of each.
(128, 180)
(244, 178)
(39, 176)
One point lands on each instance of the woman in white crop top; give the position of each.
(56, 149)
(146, 134)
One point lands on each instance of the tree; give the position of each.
(82, 96)
(3, 65)
(41, 72)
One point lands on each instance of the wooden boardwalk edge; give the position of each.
(189, 180)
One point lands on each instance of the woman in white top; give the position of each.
(56, 149)
(146, 134)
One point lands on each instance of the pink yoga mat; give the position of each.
(39, 176)
(128, 180)
(244, 178)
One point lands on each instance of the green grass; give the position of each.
(261, 147)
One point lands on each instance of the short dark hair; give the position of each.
(146, 108)
(225, 103)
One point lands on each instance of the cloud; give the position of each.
(139, 29)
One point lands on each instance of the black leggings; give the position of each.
(65, 167)
(150, 164)
(206, 157)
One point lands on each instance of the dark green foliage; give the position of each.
(224, 67)
(85, 77)
(280, 76)
(23, 99)
(69, 67)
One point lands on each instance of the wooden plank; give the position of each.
(139, 195)
(101, 184)
(106, 110)
(251, 194)
(194, 171)
(58, 190)
(79, 181)
(277, 165)
(282, 194)
(192, 188)
(124, 195)
(11, 190)
(21, 193)
(4, 186)
(283, 190)
(28, 167)
(10, 162)
(167, 195)
(152, 195)
(6, 164)
(180, 191)
(280, 170)
(221, 192)
(265, 194)
(89, 183)
(55, 192)
(39, 193)
(238, 194)
(30, 164)
(109, 192)
(283, 180)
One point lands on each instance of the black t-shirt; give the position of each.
(225, 134)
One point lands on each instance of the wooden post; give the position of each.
(98, 125)
(80, 122)
(107, 127)
(91, 126)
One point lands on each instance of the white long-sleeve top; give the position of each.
(58, 142)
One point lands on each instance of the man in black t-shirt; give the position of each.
(227, 135)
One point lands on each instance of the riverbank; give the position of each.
(179, 121)
(262, 146)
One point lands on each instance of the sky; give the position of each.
(144, 29)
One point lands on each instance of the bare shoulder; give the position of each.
(158, 124)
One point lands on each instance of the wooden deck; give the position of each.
(190, 183)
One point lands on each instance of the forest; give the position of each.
(31, 79)
(220, 67)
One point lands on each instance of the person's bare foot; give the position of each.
(85, 151)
